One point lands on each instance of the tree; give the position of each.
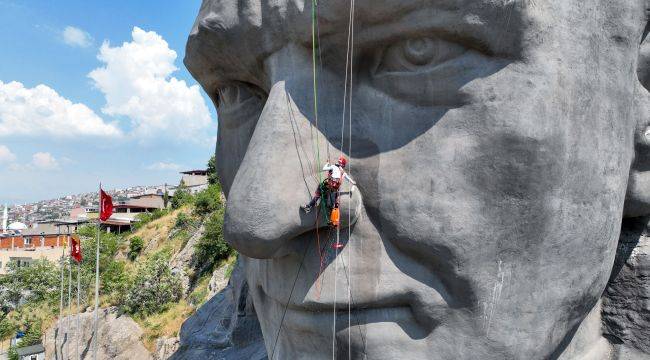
(181, 196)
(212, 247)
(153, 288)
(35, 283)
(135, 247)
(208, 200)
(166, 197)
(212, 170)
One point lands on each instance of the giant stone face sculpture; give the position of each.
(491, 142)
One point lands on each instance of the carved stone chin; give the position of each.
(496, 147)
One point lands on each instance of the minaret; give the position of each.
(5, 218)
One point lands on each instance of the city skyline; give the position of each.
(97, 92)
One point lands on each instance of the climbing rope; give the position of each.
(348, 73)
(286, 306)
(314, 3)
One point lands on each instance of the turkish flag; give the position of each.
(75, 248)
(105, 205)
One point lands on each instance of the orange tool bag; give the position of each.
(335, 217)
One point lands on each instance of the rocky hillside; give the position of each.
(175, 242)
(151, 280)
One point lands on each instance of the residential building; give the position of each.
(34, 352)
(42, 241)
(195, 180)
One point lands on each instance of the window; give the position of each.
(34, 357)
(28, 241)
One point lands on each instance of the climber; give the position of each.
(330, 186)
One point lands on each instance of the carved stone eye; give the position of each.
(419, 51)
(419, 54)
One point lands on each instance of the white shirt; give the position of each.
(337, 172)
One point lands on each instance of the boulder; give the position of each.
(119, 337)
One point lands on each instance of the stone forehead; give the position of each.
(230, 39)
(291, 19)
(231, 35)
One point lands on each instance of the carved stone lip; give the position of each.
(396, 308)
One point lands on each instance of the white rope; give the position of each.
(350, 196)
(336, 271)
(349, 56)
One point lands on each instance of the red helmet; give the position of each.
(342, 161)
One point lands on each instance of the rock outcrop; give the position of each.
(166, 347)
(226, 327)
(119, 338)
(183, 262)
(626, 302)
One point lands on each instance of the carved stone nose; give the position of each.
(276, 177)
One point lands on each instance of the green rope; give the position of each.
(315, 83)
(324, 191)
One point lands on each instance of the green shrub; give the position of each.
(7, 328)
(208, 200)
(212, 247)
(135, 247)
(183, 221)
(153, 288)
(198, 297)
(182, 196)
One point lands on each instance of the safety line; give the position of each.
(315, 81)
(336, 272)
(351, 35)
(284, 313)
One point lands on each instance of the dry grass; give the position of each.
(155, 236)
(165, 324)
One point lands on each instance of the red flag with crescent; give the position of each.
(75, 248)
(105, 205)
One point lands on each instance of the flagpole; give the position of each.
(62, 264)
(77, 332)
(67, 343)
(96, 315)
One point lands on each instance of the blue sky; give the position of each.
(96, 91)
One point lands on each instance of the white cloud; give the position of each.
(164, 166)
(74, 36)
(41, 111)
(136, 81)
(6, 156)
(44, 161)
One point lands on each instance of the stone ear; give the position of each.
(637, 201)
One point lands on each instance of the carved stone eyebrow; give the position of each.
(230, 39)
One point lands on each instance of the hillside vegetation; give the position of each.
(158, 273)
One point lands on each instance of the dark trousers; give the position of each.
(331, 195)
